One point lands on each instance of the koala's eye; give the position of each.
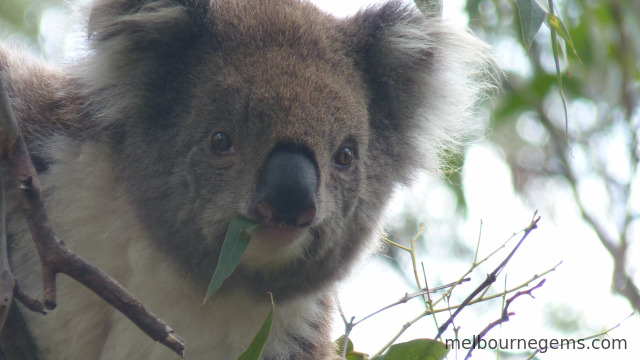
(344, 157)
(220, 142)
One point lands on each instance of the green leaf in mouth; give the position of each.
(235, 242)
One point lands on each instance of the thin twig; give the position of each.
(501, 294)
(491, 278)
(601, 333)
(348, 326)
(406, 298)
(476, 263)
(477, 300)
(505, 315)
(429, 301)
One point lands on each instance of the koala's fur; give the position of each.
(122, 138)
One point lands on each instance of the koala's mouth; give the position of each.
(273, 247)
(280, 235)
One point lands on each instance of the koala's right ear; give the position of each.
(138, 24)
(424, 78)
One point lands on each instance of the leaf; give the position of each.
(419, 349)
(235, 242)
(558, 25)
(555, 46)
(531, 18)
(354, 355)
(339, 345)
(350, 355)
(254, 350)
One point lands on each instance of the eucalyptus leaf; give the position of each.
(531, 18)
(340, 344)
(419, 349)
(254, 350)
(356, 356)
(235, 242)
(558, 25)
(350, 353)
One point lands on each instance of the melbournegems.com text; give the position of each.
(543, 345)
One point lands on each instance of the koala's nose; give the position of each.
(287, 189)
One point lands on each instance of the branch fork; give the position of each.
(54, 256)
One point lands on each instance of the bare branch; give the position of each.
(491, 278)
(616, 245)
(30, 303)
(617, 248)
(348, 326)
(593, 336)
(54, 256)
(408, 297)
(505, 314)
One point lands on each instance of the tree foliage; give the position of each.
(596, 162)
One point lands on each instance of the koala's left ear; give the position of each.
(424, 76)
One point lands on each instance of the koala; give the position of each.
(185, 114)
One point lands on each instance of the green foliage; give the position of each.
(257, 344)
(531, 18)
(419, 349)
(235, 242)
(22, 17)
(433, 304)
(558, 26)
(602, 106)
(350, 354)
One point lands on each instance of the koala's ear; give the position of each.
(132, 24)
(424, 77)
(137, 48)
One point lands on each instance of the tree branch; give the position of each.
(491, 278)
(505, 314)
(616, 245)
(54, 256)
(617, 248)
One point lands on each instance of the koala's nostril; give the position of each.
(266, 211)
(305, 217)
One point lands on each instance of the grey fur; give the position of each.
(162, 76)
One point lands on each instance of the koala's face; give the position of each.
(273, 127)
(278, 112)
(281, 140)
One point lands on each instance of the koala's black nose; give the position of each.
(287, 188)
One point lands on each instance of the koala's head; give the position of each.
(278, 112)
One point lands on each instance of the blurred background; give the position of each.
(581, 176)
